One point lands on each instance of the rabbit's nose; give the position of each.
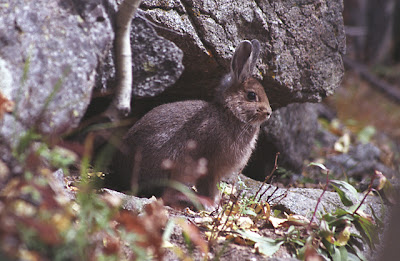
(267, 113)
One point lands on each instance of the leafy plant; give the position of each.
(336, 235)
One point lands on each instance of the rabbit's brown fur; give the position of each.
(198, 142)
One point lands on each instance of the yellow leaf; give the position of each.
(277, 222)
(245, 223)
(343, 143)
(61, 222)
(263, 209)
(343, 237)
(298, 220)
(382, 179)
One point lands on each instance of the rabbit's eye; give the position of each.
(252, 96)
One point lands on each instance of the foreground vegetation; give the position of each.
(49, 217)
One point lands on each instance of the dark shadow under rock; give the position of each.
(291, 132)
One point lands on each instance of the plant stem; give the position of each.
(366, 194)
(268, 177)
(319, 200)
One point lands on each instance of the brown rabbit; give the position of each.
(197, 142)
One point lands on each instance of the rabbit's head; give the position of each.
(242, 94)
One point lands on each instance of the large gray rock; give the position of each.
(54, 53)
(302, 201)
(66, 48)
(302, 43)
(156, 66)
(51, 50)
(156, 61)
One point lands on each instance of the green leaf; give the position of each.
(326, 233)
(169, 228)
(335, 253)
(366, 227)
(366, 134)
(339, 217)
(290, 230)
(320, 165)
(346, 191)
(266, 246)
(379, 222)
(358, 255)
(298, 242)
(339, 253)
(352, 257)
(343, 253)
(249, 212)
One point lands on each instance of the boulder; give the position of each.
(155, 66)
(54, 53)
(50, 51)
(302, 44)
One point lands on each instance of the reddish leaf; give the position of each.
(5, 105)
(195, 236)
(46, 232)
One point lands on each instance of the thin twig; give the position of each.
(219, 217)
(282, 196)
(319, 199)
(265, 191)
(269, 176)
(366, 194)
(230, 212)
(273, 192)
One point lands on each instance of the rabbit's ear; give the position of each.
(255, 53)
(244, 59)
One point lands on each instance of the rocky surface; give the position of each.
(302, 43)
(302, 201)
(54, 53)
(58, 51)
(361, 159)
(51, 51)
(155, 66)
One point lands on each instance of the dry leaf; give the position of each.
(245, 223)
(262, 208)
(194, 234)
(5, 105)
(297, 220)
(343, 143)
(277, 222)
(311, 254)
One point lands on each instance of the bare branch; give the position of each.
(268, 177)
(319, 200)
(122, 99)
